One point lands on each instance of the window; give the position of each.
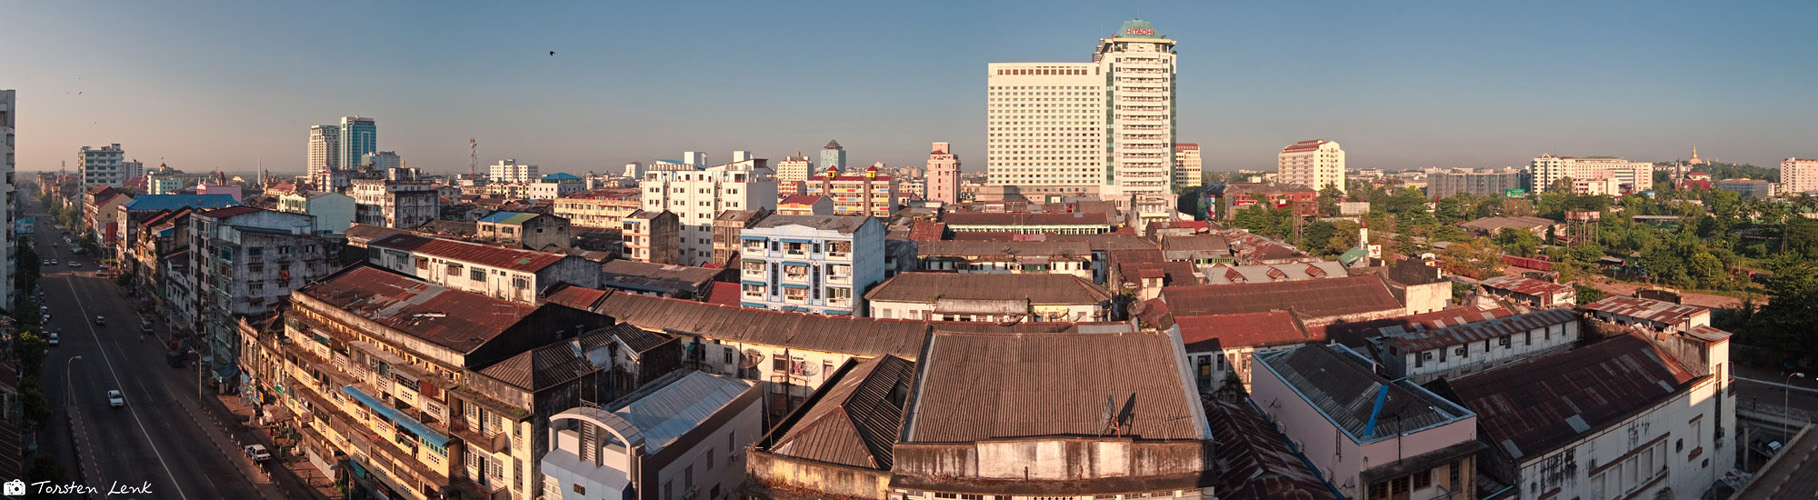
(1453, 473)
(1423, 479)
(688, 478)
(578, 489)
(710, 458)
(476, 275)
(520, 283)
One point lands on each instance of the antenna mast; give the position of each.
(473, 158)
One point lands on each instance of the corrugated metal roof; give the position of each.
(1226, 274)
(543, 367)
(1037, 288)
(856, 422)
(457, 320)
(173, 201)
(1648, 309)
(950, 248)
(508, 217)
(1204, 333)
(1526, 286)
(974, 387)
(1025, 219)
(1345, 391)
(1525, 407)
(844, 224)
(1311, 298)
(668, 413)
(1255, 461)
(474, 253)
(1427, 340)
(1358, 334)
(660, 278)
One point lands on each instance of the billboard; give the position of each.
(1515, 193)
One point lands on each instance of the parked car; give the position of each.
(258, 453)
(115, 399)
(52, 340)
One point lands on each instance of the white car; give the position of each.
(53, 262)
(258, 453)
(115, 399)
(52, 340)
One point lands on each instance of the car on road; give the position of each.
(75, 264)
(52, 340)
(258, 453)
(53, 262)
(99, 320)
(115, 399)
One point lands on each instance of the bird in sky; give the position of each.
(552, 52)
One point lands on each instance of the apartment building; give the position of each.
(399, 204)
(868, 194)
(1105, 127)
(1423, 355)
(101, 166)
(990, 298)
(131, 218)
(542, 232)
(1649, 314)
(1535, 293)
(1316, 163)
(1443, 183)
(101, 213)
(9, 197)
(553, 186)
(324, 152)
(426, 391)
(1009, 257)
(654, 237)
(521, 276)
(1187, 165)
(943, 184)
(602, 210)
(728, 227)
(833, 156)
(334, 212)
(697, 195)
(811, 263)
(1630, 177)
(1798, 176)
(791, 173)
(244, 262)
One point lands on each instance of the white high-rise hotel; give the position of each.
(1104, 127)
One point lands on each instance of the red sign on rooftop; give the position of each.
(1139, 32)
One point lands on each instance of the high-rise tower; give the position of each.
(324, 149)
(358, 136)
(943, 174)
(832, 155)
(1105, 127)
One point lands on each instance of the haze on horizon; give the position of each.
(223, 86)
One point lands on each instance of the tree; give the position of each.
(1786, 323)
(1587, 293)
(1476, 258)
(1706, 270)
(1517, 242)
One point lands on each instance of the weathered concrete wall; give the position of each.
(834, 480)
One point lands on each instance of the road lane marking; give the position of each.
(89, 322)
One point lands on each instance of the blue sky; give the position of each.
(1399, 84)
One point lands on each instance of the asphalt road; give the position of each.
(163, 441)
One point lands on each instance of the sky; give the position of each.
(208, 86)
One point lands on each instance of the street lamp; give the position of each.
(1786, 410)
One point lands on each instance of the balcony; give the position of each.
(491, 442)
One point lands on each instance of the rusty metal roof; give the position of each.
(1311, 298)
(1648, 309)
(1254, 461)
(543, 367)
(1358, 334)
(1532, 408)
(856, 422)
(1037, 288)
(973, 387)
(473, 253)
(1417, 341)
(1025, 219)
(457, 320)
(951, 248)
(1200, 333)
(1526, 286)
(837, 334)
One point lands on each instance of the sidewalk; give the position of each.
(296, 466)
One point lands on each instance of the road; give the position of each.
(163, 440)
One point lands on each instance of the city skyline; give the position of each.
(1401, 86)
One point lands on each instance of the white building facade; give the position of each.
(509, 170)
(1545, 170)
(943, 183)
(1106, 126)
(1424, 355)
(698, 195)
(1798, 175)
(324, 150)
(811, 263)
(101, 166)
(1316, 163)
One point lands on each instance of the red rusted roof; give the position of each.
(724, 293)
(1526, 286)
(223, 213)
(1026, 219)
(1480, 331)
(1203, 333)
(801, 199)
(576, 297)
(473, 253)
(1532, 408)
(1311, 298)
(1308, 145)
(1173, 273)
(927, 231)
(457, 320)
(1648, 309)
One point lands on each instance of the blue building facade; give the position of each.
(359, 136)
(820, 264)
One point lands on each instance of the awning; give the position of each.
(227, 372)
(398, 417)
